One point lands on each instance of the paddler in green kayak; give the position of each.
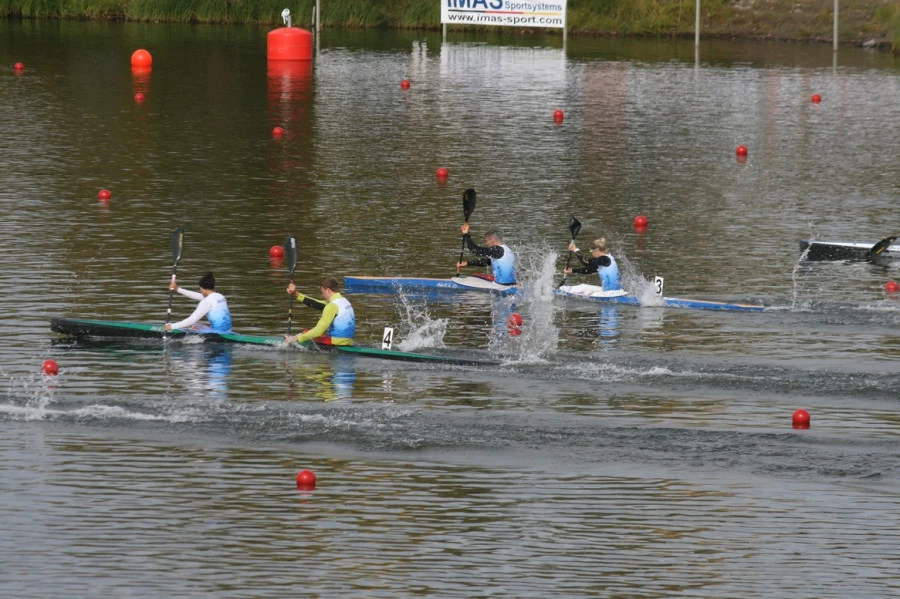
(337, 325)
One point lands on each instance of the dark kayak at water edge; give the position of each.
(881, 252)
(79, 328)
(578, 292)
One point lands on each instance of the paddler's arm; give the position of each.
(593, 265)
(306, 301)
(482, 250)
(328, 315)
(206, 304)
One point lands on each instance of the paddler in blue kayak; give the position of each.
(337, 325)
(600, 262)
(496, 254)
(212, 304)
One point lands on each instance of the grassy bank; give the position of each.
(809, 20)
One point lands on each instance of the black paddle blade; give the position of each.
(177, 244)
(574, 227)
(468, 203)
(880, 247)
(290, 250)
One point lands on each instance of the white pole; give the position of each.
(697, 24)
(835, 25)
(318, 12)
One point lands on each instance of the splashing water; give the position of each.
(794, 274)
(536, 271)
(417, 328)
(635, 284)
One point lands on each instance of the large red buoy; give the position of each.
(306, 479)
(289, 43)
(141, 59)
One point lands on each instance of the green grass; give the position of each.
(792, 19)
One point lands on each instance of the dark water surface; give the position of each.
(617, 452)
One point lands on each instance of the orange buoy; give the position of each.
(141, 59)
(289, 43)
(800, 419)
(50, 368)
(306, 479)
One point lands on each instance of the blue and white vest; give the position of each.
(504, 269)
(344, 324)
(609, 276)
(219, 316)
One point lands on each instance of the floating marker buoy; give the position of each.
(640, 222)
(19, 66)
(289, 43)
(816, 98)
(278, 131)
(558, 116)
(306, 479)
(276, 251)
(513, 324)
(404, 84)
(139, 97)
(892, 287)
(141, 59)
(442, 173)
(741, 150)
(50, 368)
(801, 419)
(104, 194)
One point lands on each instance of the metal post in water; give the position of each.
(318, 12)
(835, 25)
(697, 24)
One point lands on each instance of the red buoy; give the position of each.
(276, 251)
(141, 59)
(816, 98)
(306, 479)
(139, 97)
(19, 66)
(289, 43)
(558, 116)
(640, 222)
(404, 84)
(741, 150)
(278, 131)
(442, 173)
(801, 419)
(50, 368)
(104, 194)
(513, 324)
(891, 287)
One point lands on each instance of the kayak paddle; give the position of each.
(880, 247)
(574, 229)
(177, 247)
(290, 250)
(468, 209)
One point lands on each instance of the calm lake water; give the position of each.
(617, 452)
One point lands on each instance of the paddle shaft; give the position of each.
(177, 245)
(574, 229)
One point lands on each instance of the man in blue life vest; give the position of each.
(336, 326)
(600, 262)
(495, 254)
(212, 305)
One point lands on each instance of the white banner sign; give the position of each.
(515, 13)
